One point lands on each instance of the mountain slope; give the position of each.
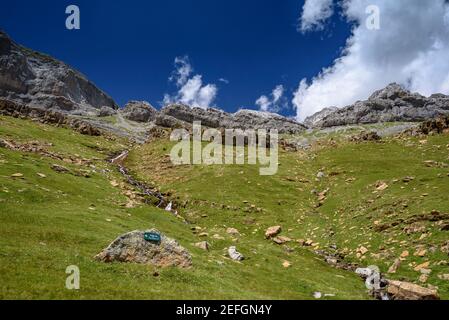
(41, 81)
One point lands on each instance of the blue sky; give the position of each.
(128, 47)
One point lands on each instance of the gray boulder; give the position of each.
(133, 248)
(139, 111)
(40, 81)
(391, 104)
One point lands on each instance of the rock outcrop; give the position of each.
(39, 81)
(391, 104)
(13, 109)
(132, 247)
(213, 118)
(139, 111)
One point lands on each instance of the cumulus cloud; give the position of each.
(273, 103)
(315, 13)
(191, 90)
(411, 48)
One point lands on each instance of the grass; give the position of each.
(47, 224)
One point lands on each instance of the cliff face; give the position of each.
(390, 104)
(40, 81)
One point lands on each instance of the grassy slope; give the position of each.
(347, 218)
(47, 224)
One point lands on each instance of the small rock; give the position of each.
(362, 250)
(203, 235)
(114, 183)
(204, 245)
(381, 186)
(41, 175)
(420, 253)
(17, 175)
(424, 265)
(218, 237)
(423, 278)
(273, 232)
(234, 254)
(281, 240)
(395, 266)
(405, 254)
(286, 264)
(317, 295)
(408, 291)
(233, 231)
(444, 277)
(59, 169)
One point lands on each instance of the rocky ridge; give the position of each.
(181, 115)
(391, 104)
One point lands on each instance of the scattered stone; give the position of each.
(203, 235)
(59, 169)
(317, 295)
(408, 179)
(232, 231)
(362, 250)
(444, 277)
(415, 227)
(408, 291)
(423, 278)
(308, 243)
(114, 183)
(218, 237)
(132, 247)
(234, 254)
(204, 245)
(41, 175)
(281, 240)
(405, 254)
(366, 136)
(286, 264)
(395, 266)
(17, 175)
(381, 186)
(424, 265)
(320, 175)
(273, 232)
(420, 253)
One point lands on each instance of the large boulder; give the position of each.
(399, 290)
(134, 248)
(391, 104)
(40, 81)
(139, 111)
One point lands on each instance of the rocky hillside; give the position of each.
(391, 104)
(40, 81)
(213, 118)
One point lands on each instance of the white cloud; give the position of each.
(411, 48)
(264, 103)
(183, 69)
(191, 90)
(225, 81)
(315, 13)
(272, 104)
